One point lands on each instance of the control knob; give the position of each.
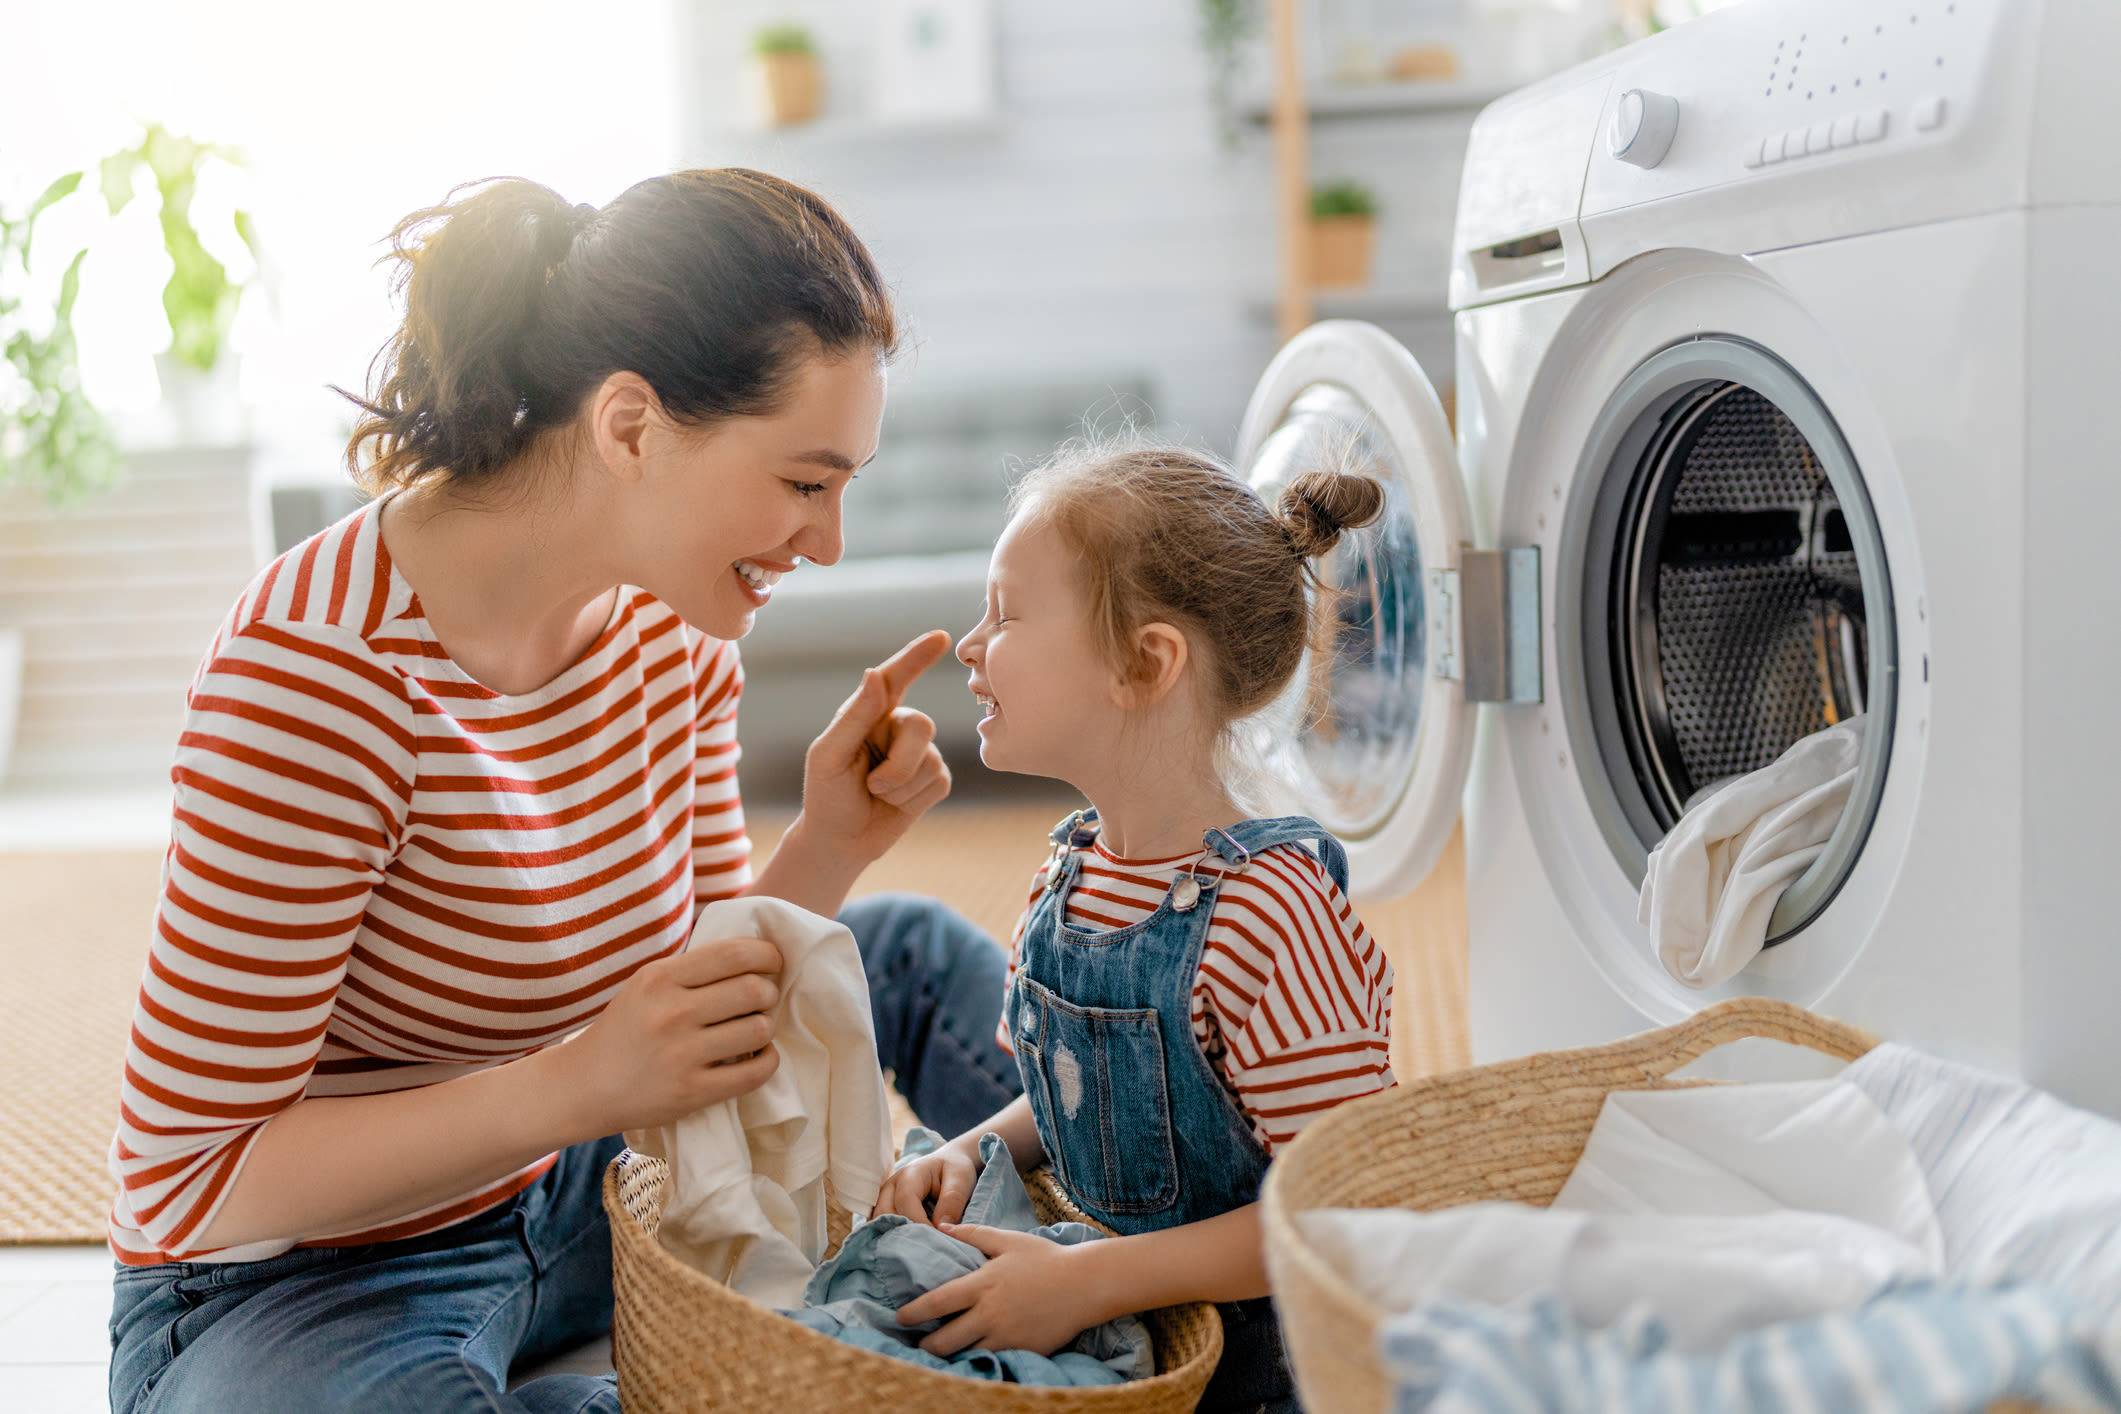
(1643, 124)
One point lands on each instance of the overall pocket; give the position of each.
(1100, 1074)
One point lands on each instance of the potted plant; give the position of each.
(1343, 233)
(186, 517)
(198, 377)
(790, 84)
(52, 438)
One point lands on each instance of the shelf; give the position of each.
(1381, 100)
(1376, 306)
(870, 130)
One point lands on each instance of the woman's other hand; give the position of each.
(944, 1178)
(875, 770)
(682, 1033)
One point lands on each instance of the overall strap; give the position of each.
(1072, 835)
(1238, 843)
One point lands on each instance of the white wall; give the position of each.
(1100, 227)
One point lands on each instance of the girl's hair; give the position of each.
(1172, 534)
(711, 285)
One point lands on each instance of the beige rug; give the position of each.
(74, 930)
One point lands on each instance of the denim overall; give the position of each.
(1141, 1130)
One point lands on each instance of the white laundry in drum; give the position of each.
(1712, 883)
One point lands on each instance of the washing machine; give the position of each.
(1786, 381)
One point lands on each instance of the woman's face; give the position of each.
(721, 513)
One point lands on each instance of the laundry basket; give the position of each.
(683, 1342)
(1510, 1132)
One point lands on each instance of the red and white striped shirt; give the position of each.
(382, 874)
(1293, 1001)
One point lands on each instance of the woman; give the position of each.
(454, 779)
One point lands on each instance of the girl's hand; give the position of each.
(1031, 1295)
(682, 1033)
(946, 1176)
(875, 769)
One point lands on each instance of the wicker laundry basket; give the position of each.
(683, 1342)
(1506, 1132)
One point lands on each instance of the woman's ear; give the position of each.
(625, 416)
(1160, 657)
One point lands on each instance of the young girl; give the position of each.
(1188, 986)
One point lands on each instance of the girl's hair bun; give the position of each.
(1318, 505)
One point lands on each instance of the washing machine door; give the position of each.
(1369, 739)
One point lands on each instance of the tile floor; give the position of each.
(54, 1349)
(54, 1341)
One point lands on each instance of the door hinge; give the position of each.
(1484, 625)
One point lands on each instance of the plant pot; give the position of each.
(11, 654)
(204, 409)
(790, 87)
(1340, 251)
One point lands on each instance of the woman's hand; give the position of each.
(1031, 1295)
(682, 1033)
(944, 1177)
(875, 769)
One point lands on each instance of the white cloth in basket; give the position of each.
(1714, 1210)
(1713, 882)
(747, 1199)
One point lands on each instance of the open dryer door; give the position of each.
(1375, 736)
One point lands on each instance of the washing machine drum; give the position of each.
(1740, 615)
(1736, 595)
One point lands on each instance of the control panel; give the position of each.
(1764, 85)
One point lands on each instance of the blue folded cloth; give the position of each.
(888, 1261)
(1922, 1348)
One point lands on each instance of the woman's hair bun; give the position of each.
(1318, 505)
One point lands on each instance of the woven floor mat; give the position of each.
(73, 937)
(74, 930)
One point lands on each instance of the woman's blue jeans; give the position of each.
(434, 1323)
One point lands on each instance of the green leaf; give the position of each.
(248, 230)
(58, 191)
(115, 174)
(70, 287)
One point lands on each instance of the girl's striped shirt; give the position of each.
(1293, 1000)
(383, 875)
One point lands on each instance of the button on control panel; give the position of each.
(1827, 135)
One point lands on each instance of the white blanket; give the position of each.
(1716, 1210)
(748, 1176)
(1713, 882)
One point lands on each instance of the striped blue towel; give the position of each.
(1917, 1349)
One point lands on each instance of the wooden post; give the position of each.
(1292, 170)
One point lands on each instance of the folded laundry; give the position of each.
(1713, 1210)
(2026, 1188)
(1712, 883)
(889, 1260)
(1910, 1236)
(1919, 1349)
(748, 1177)
(1705, 1280)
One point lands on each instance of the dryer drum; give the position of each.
(1736, 598)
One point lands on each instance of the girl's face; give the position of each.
(718, 515)
(1050, 698)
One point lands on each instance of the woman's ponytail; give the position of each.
(710, 285)
(455, 386)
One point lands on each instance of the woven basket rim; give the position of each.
(826, 1350)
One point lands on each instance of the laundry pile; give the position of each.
(1713, 882)
(1910, 1236)
(887, 1261)
(753, 1180)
